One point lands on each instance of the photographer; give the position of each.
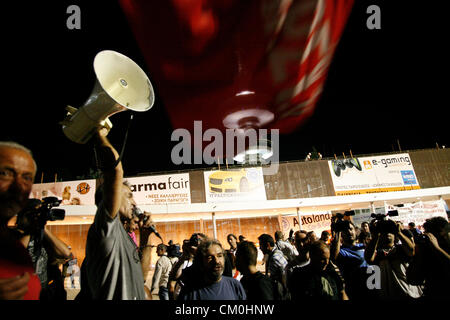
(184, 273)
(45, 248)
(391, 248)
(349, 257)
(183, 262)
(431, 263)
(17, 171)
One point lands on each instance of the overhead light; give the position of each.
(244, 93)
(255, 154)
(248, 118)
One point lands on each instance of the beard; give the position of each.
(11, 204)
(215, 273)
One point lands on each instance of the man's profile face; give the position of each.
(232, 241)
(17, 172)
(214, 262)
(160, 251)
(128, 203)
(134, 224)
(264, 246)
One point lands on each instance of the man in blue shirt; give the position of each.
(209, 283)
(349, 258)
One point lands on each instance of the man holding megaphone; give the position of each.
(112, 268)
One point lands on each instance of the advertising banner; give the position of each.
(243, 184)
(79, 192)
(317, 222)
(386, 173)
(161, 189)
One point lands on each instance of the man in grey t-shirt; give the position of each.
(112, 269)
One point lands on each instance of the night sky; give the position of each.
(383, 85)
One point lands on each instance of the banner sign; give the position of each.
(393, 172)
(410, 212)
(161, 189)
(418, 212)
(243, 184)
(317, 222)
(80, 192)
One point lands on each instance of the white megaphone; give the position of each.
(121, 85)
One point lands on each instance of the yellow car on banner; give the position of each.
(231, 180)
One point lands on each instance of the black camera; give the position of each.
(422, 239)
(338, 224)
(381, 223)
(195, 240)
(173, 250)
(37, 212)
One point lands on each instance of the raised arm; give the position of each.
(112, 175)
(434, 244)
(371, 251)
(335, 246)
(407, 243)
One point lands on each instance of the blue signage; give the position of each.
(408, 177)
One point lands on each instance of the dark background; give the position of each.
(384, 87)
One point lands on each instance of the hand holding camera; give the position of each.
(381, 223)
(338, 222)
(36, 213)
(430, 238)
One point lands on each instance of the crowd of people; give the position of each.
(349, 263)
(366, 263)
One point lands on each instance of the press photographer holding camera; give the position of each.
(43, 246)
(348, 255)
(17, 172)
(430, 265)
(391, 248)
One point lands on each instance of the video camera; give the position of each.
(338, 224)
(173, 250)
(37, 212)
(194, 240)
(381, 223)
